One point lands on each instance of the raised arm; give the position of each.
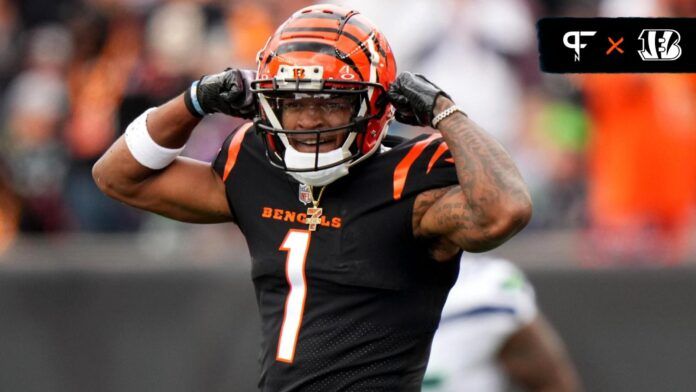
(491, 203)
(185, 189)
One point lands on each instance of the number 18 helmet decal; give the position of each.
(324, 52)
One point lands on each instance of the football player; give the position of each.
(354, 245)
(492, 335)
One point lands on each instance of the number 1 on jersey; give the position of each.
(296, 243)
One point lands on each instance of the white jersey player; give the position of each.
(491, 334)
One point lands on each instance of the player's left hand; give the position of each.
(414, 98)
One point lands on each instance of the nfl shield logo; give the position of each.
(304, 194)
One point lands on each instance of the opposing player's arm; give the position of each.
(186, 190)
(535, 358)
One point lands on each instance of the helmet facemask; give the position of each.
(323, 53)
(330, 99)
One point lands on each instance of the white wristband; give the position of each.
(145, 150)
(441, 116)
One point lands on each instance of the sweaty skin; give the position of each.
(490, 204)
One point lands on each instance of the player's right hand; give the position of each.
(228, 92)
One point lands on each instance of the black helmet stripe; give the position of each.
(317, 47)
(344, 33)
(323, 15)
(379, 47)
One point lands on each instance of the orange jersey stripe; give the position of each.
(401, 171)
(233, 150)
(438, 153)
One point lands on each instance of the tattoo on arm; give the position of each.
(441, 248)
(423, 203)
(489, 185)
(484, 168)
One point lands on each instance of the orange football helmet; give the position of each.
(328, 51)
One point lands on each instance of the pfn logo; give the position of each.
(575, 44)
(660, 45)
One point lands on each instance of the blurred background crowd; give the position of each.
(611, 158)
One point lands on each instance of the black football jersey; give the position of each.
(353, 305)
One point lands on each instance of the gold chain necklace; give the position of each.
(314, 213)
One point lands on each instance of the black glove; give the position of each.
(228, 92)
(414, 97)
